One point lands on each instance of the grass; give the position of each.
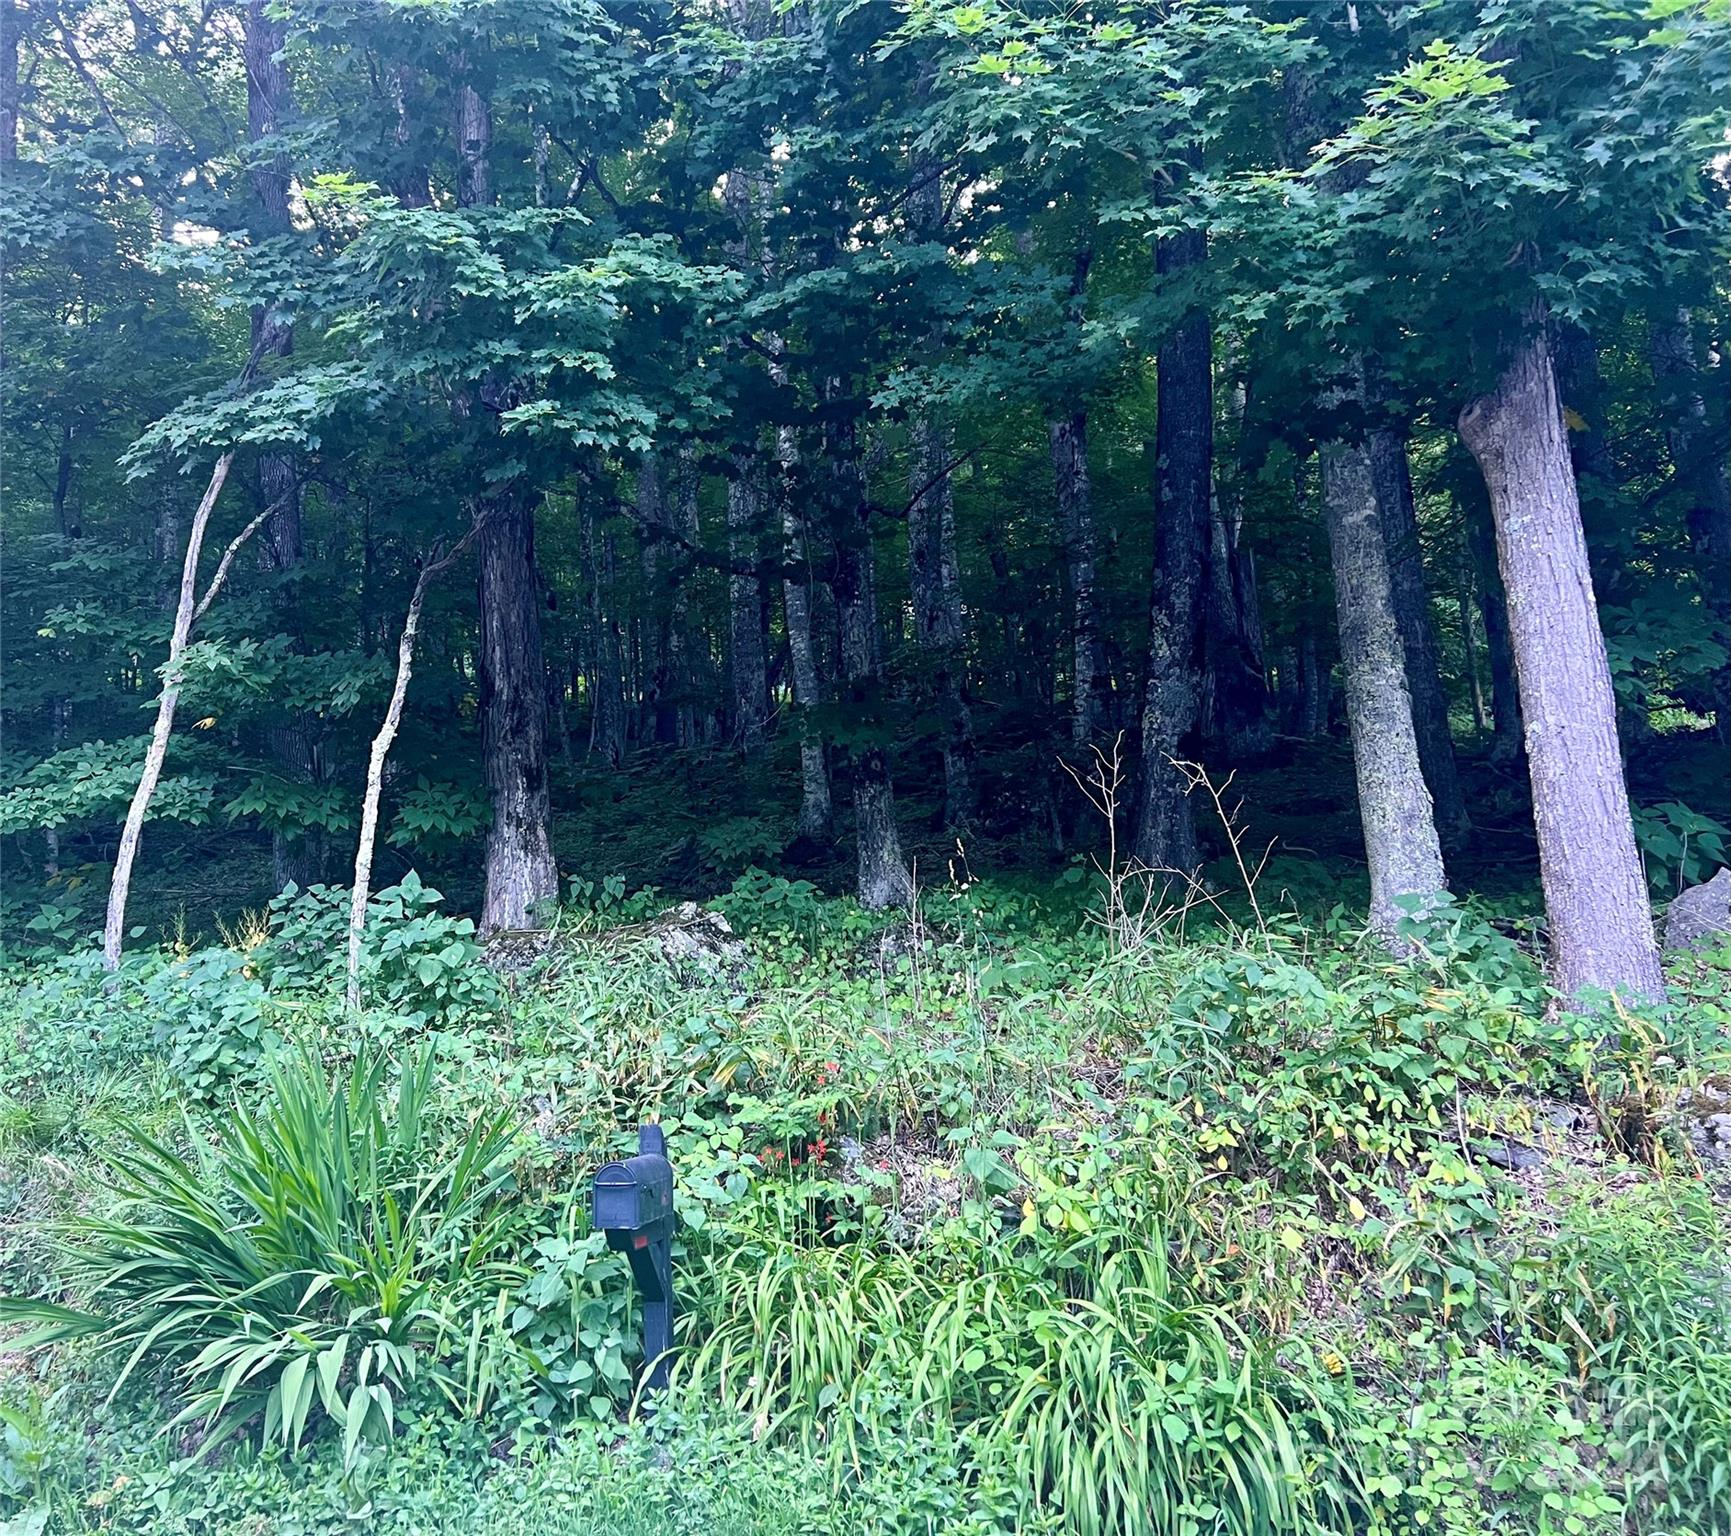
(991, 1223)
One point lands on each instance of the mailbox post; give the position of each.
(633, 1205)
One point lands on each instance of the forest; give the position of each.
(1086, 647)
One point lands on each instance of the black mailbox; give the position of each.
(632, 1202)
(632, 1196)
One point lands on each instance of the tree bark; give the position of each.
(519, 868)
(689, 647)
(1411, 598)
(746, 663)
(609, 671)
(933, 570)
(361, 889)
(1313, 688)
(520, 871)
(290, 741)
(1601, 926)
(815, 807)
(1394, 806)
(934, 582)
(883, 876)
(1165, 834)
(1470, 644)
(1088, 675)
(186, 610)
(1698, 453)
(1235, 681)
(1507, 739)
(660, 578)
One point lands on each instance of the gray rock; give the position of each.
(1700, 918)
(1516, 1156)
(698, 937)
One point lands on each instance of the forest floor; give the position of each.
(994, 1219)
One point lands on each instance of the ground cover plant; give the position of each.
(986, 1223)
(1088, 648)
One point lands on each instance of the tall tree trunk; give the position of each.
(1165, 833)
(883, 876)
(815, 809)
(186, 612)
(1312, 718)
(933, 575)
(290, 741)
(1698, 454)
(1601, 926)
(1470, 643)
(1235, 682)
(1394, 807)
(746, 663)
(361, 889)
(1430, 708)
(609, 673)
(662, 563)
(1089, 678)
(687, 642)
(520, 871)
(1508, 735)
(1068, 431)
(935, 584)
(1235, 679)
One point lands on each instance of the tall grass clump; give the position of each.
(1111, 1402)
(1639, 1300)
(321, 1256)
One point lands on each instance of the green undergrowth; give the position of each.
(994, 1219)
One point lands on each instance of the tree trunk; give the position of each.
(519, 867)
(474, 131)
(361, 889)
(1470, 644)
(933, 570)
(1235, 680)
(1507, 740)
(883, 877)
(1698, 454)
(609, 674)
(114, 925)
(1069, 436)
(686, 641)
(1601, 926)
(1394, 807)
(1165, 835)
(1312, 718)
(746, 664)
(815, 809)
(291, 741)
(1411, 598)
(935, 585)
(520, 871)
(661, 568)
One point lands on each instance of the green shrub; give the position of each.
(417, 963)
(1461, 1443)
(325, 1260)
